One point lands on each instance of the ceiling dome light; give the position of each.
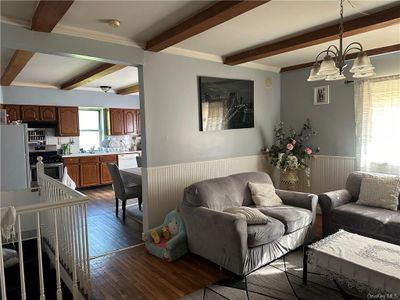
(314, 73)
(328, 66)
(105, 88)
(114, 23)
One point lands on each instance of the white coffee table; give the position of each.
(357, 261)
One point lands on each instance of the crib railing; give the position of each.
(61, 231)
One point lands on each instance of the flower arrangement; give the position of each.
(290, 151)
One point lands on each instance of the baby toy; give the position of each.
(167, 241)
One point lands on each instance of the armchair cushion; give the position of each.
(250, 214)
(264, 233)
(364, 219)
(292, 217)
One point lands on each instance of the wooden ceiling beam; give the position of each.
(91, 75)
(216, 14)
(18, 61)
(45, 18)
(371, 52)
(48, 14)
(134, 88)
(363, 24)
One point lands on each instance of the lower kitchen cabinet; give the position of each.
(105, 176)
(90, 170)
(73, 173)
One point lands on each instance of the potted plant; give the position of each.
(290, 152)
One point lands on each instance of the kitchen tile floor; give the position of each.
(108, 233)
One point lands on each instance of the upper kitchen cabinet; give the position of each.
(30, 113)
(13, 111)
(116, 121)
(138, 125)
(68, 121)
(130, 121)
(47, 113)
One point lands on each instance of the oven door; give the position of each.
(53, 170)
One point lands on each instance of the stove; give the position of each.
(52, 162)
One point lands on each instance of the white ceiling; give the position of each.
(276, 20)
(51, 71)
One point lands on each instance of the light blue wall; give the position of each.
(172, 111)
(335, 122)
(45, 96)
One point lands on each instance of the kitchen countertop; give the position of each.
(99, 153)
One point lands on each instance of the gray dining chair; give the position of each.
(122, 190)
(139, 161)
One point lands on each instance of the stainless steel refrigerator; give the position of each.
(15, 170)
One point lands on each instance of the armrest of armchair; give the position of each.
(218, 236)
(328, 201)
(299, 199)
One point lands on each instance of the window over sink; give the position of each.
(91, 125)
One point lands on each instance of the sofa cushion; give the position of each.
(363, 218)
(292, 217)
(264, 233)
(250, 214)
(263, 194)
(242, 182)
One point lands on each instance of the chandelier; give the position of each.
(334, 61)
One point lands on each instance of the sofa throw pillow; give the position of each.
(263, 194)
(252, 215)
(380, 191)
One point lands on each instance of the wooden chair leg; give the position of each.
(116, 206)
(140, 203)
(123, 209)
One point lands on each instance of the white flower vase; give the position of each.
(289, 180)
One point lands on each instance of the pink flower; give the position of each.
(308, 151)
(290, 146)
(294, 142)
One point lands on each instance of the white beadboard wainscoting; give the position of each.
(165, 184)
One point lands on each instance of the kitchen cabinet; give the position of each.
(138, 125)
(130, 122)
(13, 111)
(72, 165)
(89, 171)
(116, 121)
(47, 113)
(105, 176)
(29, 113)
(68, 121)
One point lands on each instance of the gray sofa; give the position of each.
(339, 211)
(227, 240)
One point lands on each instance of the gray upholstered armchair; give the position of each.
(339, 211)
(227, 240)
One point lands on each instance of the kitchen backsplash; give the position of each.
(119, 143)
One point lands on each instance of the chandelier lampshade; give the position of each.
(362, 63)
(334, 61)
(328, 66)
(314, 73)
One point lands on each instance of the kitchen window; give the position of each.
(91, 128)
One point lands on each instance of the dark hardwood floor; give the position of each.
(135, 274)
(107, 232)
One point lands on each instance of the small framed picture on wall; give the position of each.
(321, 95)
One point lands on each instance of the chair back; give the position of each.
(139, 161)
(118, 184)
